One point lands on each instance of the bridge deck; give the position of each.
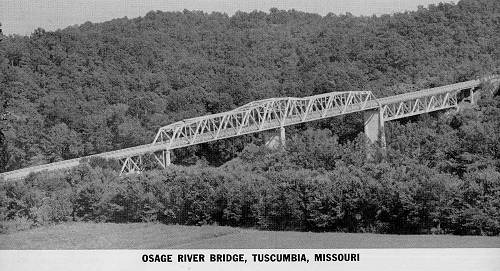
(429, 91)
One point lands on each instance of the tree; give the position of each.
(3, 153)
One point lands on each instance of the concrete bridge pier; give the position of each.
(164, 158)
(471, 96)
(276, 141)
(374, 129)
(282, 136)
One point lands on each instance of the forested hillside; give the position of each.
(98, 87)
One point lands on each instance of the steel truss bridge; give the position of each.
(276, 113)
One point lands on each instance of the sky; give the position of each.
(23, 16)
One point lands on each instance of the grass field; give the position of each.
(159, 236)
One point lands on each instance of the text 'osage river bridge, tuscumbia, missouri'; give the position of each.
(276, 113)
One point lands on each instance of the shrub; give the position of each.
(242, 196)
(56, 208)
(18, 223)
(87, 202)
(386, 197)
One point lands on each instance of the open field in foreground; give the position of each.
(159, 236)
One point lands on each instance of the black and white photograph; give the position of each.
(250, 135)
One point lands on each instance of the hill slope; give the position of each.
(99, 87)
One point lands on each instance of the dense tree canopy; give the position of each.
(98, 87)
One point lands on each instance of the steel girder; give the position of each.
(427, 100)
(262, 115)
(419, 105)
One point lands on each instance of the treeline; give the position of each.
(99, 87)
(440, 175)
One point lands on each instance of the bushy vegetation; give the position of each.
(425, 187)
(99, 87)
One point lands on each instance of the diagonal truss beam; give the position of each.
(263, 115)
(392, 110)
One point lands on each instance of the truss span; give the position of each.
(263, 115)
(427, 100)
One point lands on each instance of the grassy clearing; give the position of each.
(109, 236)
(159, 236)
